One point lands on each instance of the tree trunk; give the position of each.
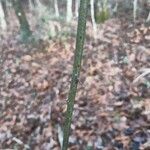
(56, 8)
(76, 69)
(31, 5)
(93, 17)
(3, 23)
(69, 11)
(4, 5)
(38, 3)
(76, 8)
(40, 9)
(148, 18)
(24, 26)
(135, 5)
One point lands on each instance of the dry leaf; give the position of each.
(27, 58)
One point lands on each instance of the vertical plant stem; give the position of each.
(76, 69)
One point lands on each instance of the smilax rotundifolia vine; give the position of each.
(76, 69)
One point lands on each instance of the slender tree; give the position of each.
(56, 8)
(148, 18)
(3, 23)
(39, 4)
(76, 69)
(24, 26)
(31, 5)
(135, 5)
(5, 8)
(93, 17)
(76, 8)
(69, 10)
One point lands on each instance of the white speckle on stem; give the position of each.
(19, 14)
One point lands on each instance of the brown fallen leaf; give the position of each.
(146, 112)
(35, 65)
(45, 84)
(27, 58)
(119, 103)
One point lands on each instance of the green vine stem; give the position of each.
(76, 69)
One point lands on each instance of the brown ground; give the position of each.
(110, 113)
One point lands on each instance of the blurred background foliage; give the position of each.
(56, 18)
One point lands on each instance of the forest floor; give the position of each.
(112, 108)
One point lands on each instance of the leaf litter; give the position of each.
(111, 110)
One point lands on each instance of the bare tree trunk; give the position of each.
(4, 5)
(76, 8)
(24, 26)
(148, 18)
(40, 8)
(69, 11)
(56, 8)
(31, 5)
(38, 3)
(135, 5)
(93, 17)
(3, 23)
